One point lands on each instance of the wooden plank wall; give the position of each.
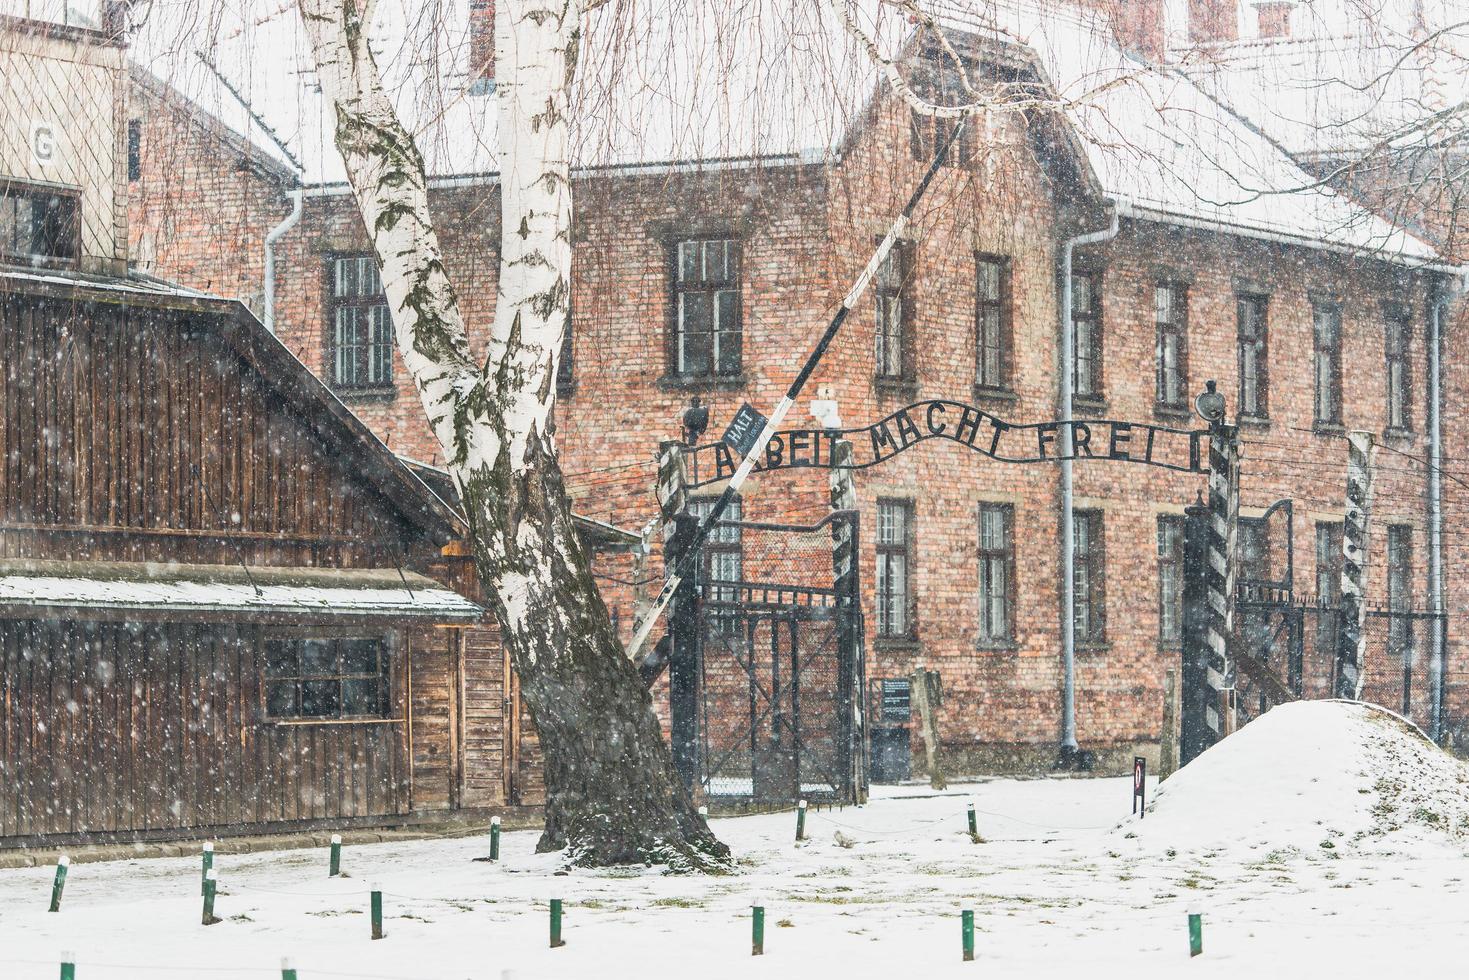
(434, 713)
(136, 435)
(126, 727)
(486, 739)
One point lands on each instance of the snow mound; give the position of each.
(1317, 776)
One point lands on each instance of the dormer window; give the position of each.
(38, 225)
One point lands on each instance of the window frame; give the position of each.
(1170, 596)
(1332, 309)
(901, 253)
(938, 82)
(677, 288)
(1327, 604)
(1095, 562)
(1396, 343)
(1004, 553)
(905, 550)
(10, 189)
(1175, 326)
(1002, 306)
(1259, 303)
(1092, 315)
(366, 303)
(385, 676)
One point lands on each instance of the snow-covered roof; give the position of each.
(711, 80)
(1334, 96)
(299, 592)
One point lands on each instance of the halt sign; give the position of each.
(744, 430)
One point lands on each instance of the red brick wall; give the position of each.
(806, 230)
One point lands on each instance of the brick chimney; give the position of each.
(481, 42)
(1139, 27)
(1213, 21)
(1273, 18)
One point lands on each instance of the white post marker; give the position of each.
(750, 432)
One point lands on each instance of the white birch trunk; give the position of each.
(612, 795)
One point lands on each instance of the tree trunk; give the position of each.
(612, 795)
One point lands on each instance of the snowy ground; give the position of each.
(1056, 886)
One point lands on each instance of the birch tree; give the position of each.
(612, 794)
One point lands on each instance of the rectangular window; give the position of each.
(723, 559)
(1400, 585)
(566, 363)
(1170, 312)
(1254, 375)
(1086, 337)
(894, 549)
(1170, 581)
(38, 224)
(135, 149)
(1326, 328)
(992, 323)
(1328, 585)
(327, 678)
(1396, 347)
(891, 289)
(361, 350)
(1088, 577)
(708, 335)
(996, 573)
(940, 83)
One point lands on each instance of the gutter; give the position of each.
(1068, 527)
(1439, 300)
(271, 238)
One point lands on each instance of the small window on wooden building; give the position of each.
(708, 334)
(1170, 312)
(894, 555)
(360, 340)
(325, 678)
(1254, 374)
(38, 225)
(992, 323)
(1398, 333)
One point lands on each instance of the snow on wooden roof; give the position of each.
(701, 84)
(313, 593)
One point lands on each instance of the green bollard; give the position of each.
(210, 884)
(556, 939)
(757, 930)
(62, 863)
(966, 921)
(335, 867)
(801, 820)
(494, 838)
(377, 915)
(68, 966)
(288, 969)
(208, 859)
(973, 823)
(1195, 934)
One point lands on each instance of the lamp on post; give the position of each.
(1210, 405)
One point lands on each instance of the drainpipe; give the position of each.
(1437, 298)
(274, 235)
(1068, 527)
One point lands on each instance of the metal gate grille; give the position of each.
(779, 664)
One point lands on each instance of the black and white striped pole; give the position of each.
(1223, 507)
(750, 431)
(1351, 637)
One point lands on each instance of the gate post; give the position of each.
(851, 670)
(1223, 534)
(1351, 640)
(1193, 736)
(683, 623)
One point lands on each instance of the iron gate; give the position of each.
(779, 664)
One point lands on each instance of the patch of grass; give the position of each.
(677, 903)
(784, 924)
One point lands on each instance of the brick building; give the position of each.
(721, 214)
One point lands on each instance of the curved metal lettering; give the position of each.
(1009, 442)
